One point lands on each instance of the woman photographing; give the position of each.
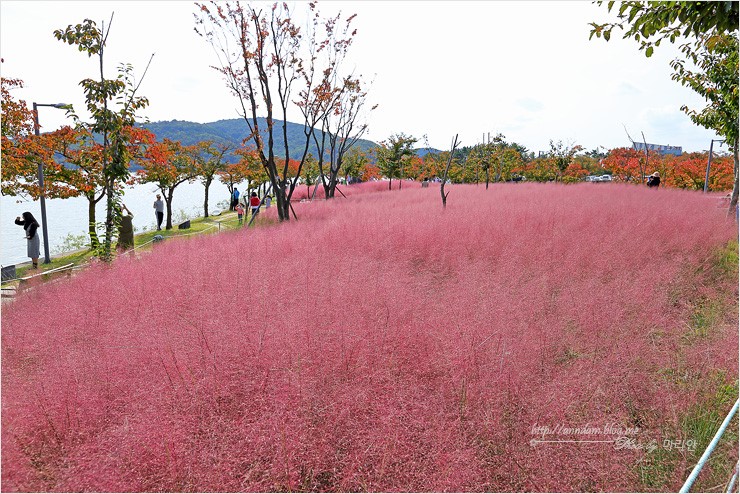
(30, 225)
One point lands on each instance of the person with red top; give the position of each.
(254, 203)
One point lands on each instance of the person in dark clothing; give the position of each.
(30, 225)
(126, 231)
(653, 180)
(234, 199)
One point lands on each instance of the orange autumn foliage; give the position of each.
(687, 171)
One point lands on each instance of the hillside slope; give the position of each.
(234, 131)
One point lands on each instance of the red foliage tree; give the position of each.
(624, 164)
(168, 164)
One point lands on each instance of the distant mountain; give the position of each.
(421, 152)
(234, 131)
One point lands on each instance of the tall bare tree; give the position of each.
(343, 129)
(267, 61)
(454, 145)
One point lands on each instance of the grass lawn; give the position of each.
(213, 224)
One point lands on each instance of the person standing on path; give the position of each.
(30, 225)
(159, 211)
(126, 230)
(234, 199)
(240, 212)
(268, 201)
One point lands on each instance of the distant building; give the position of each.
(659, 148)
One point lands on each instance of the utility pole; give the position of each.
(709, 164)
(42, 194)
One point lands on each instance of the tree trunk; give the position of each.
(282, 204)
(230, 186)
(332, 184)
(285, 211)
(94, 241)
(390, 181)
(205, 201)
(447, 171)
(168, 202)
(109, 224)
(488, 176)
(326, 184)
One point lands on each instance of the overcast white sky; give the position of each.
(525, 69)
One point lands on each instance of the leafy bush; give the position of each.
(72, 242)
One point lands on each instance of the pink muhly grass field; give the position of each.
(379, 343)
(304, 192)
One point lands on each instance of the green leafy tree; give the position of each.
(711, 29)
(209, 159)
(309, 172)
(113, 105)
(508, 160)
(494, 160)
(715, 57)
(541, 169)
(563, 154)
(354, 162)
(393, 154)
(595, 153)
(652, 22)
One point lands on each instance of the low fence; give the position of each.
(708, 452)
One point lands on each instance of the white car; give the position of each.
(592, 178)
(605, 178)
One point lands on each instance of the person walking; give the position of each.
(654, 180)
(268, 201)
(159, 211)
(126, 231)
(254, 203)
(33, 243)
(240, 212)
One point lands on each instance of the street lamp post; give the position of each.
(36, 128)
(709, 164)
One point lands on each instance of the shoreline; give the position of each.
(78, 257)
